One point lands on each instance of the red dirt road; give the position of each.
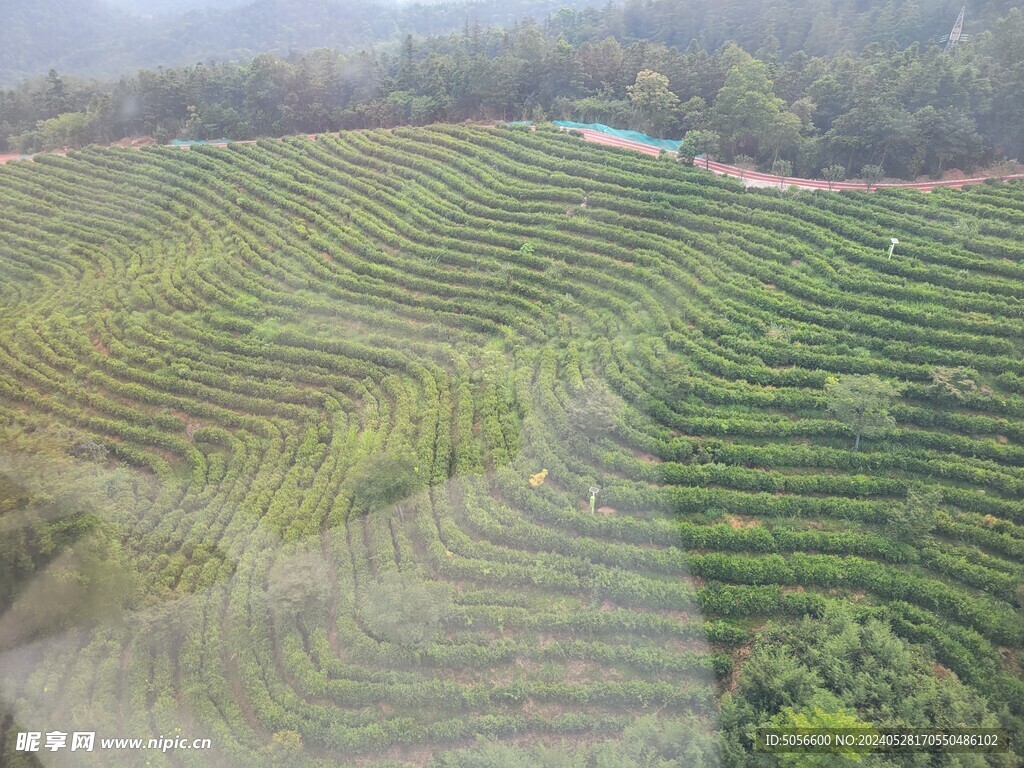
(753, 178)
(615, 141)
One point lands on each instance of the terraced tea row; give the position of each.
(366, 384)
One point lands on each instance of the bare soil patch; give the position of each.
(739, 656)
(648, 457)
(100, 347)
(134, 142)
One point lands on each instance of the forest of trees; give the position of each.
(810, 675)
(782, 27)
(907, 111)
(111, 38)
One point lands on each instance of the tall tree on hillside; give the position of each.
(782, 169)
(872, 174)
(601, 67)
(862, 403)
(55, 97)
(688, 148)
(782, 133)
(505, 92)
(693, 114)
(562, 75)
(653, 103)
(832, 174)
(943, 137)
(875, 127)
(746, 108)
(703, 143)
(265, 92)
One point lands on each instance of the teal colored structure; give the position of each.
(641, 138)
(187, 143)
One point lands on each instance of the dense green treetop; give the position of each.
(862, 403)
(850, 672)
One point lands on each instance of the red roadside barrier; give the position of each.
(789, 181)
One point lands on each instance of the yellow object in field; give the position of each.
(538, 479)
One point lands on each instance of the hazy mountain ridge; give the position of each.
(109, 39)
(175, 7)
(95, 39)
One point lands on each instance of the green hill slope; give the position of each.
(325, 416)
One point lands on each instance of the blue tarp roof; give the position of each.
(636, 136)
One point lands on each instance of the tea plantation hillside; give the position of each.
(297, 443)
